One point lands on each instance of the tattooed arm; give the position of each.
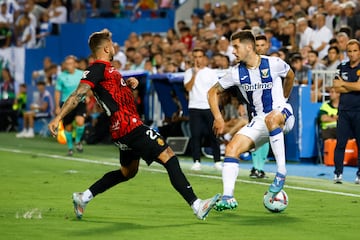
(74, 99)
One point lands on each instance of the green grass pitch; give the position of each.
(37, 181)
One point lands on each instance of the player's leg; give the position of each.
(200, 207)
(128, 170)
(80, 125)
(239, 144)
(275, 121)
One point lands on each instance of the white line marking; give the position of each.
(164, 171)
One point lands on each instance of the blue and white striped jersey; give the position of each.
(262, 87)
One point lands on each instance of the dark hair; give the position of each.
(260, 37)
(40, 83)
(334, 48)
(314, 52)
(295, 57)
(332, 41)
(199, 49)
(244, 36)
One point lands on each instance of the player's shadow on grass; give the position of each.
(246, 219)
(105, 227)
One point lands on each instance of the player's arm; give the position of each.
(288, 83)
(213, 99)
(73, 100)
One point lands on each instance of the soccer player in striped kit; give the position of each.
(259, 79)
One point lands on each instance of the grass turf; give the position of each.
(37, 180)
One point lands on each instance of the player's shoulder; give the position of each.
(95, 69)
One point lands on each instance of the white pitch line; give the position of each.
(164, 171)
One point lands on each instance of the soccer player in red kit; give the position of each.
(134, 139)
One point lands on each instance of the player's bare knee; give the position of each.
(231, 150)
(273, 121)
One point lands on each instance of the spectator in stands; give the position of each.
(186, 37)
(78, 11)
(4, 17)
(233, 27)
(57, 12)
(317, 82)
(43, 74)
(5, 27)
(27, 37)
(284, 54)
(305, 32)
(220, 12)
(333, 58)
(274, 43)
(262, 45)
(35, 11)
(320, 39)
(178, 58)
(208, 22)
(342, 39)
(83, 63)
(129, 53)
(172, 36)
(347, 84)
(144, 50)
(132, 41)
(197, 81)
(224, 47)
(328, 115)
(13, 9)
(331, 10)
(41, 107)
(7, 97)
(352, 18)
(138, 63)
(116, 64)
(120, 55)
(45, 29)
(302, 71)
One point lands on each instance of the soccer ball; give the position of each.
(277, 203)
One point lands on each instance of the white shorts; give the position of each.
(257, 131)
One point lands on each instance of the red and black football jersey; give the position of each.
(115, 97)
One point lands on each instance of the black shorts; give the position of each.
(80, 110)
(143, 142)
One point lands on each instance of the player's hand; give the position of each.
(132, 82)
(218, 126)
(53, 126)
